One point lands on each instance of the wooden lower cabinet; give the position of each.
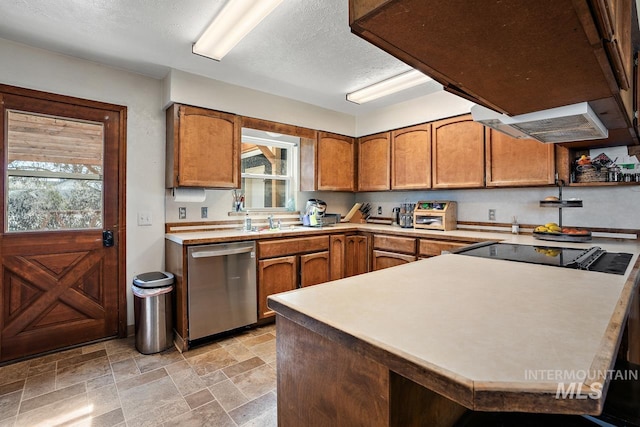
(356, 255)
(337, 257)
(275, 275)
(384, 259)
(314, 268)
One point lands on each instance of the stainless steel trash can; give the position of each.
(152, 304)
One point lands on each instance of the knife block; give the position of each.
(357, 217)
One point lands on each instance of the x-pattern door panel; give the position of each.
(60, 285)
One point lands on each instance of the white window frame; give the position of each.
(291, 180)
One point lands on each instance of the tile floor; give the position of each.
(229, 382)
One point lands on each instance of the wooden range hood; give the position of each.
(518, 57)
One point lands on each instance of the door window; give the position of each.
(54, 173)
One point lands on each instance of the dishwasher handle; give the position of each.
(221, 252)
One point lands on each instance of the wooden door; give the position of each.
(384, 259)
(411, 158)
(374, 162)
(337, 256)
(275, 275)
(458, 153)
(203, 148)
(518, 162)
(356, 256)
(60, 285)
(335, 162)
(314, 268)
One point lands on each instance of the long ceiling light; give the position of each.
(387, 87)
(236, 19)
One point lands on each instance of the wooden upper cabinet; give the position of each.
(203, 148)
(374, 158)
(458, 153)
(411, 158)
(518, 162)
(335, 167)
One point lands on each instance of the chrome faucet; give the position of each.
(270, 219)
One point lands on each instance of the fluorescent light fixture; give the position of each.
(387, 87)
(236, 19)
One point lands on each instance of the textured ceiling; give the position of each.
(303, 50)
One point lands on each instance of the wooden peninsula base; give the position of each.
(323, 383)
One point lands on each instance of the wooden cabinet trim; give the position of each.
(269, 126)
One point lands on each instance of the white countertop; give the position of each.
(484, 323)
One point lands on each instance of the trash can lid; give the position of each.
(154, 279)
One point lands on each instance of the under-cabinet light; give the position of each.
(236, 19)
(387, 87)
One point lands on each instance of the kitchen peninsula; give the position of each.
(422, 343)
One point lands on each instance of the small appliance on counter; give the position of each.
(405, 215)
(316, 215)
(435, 215)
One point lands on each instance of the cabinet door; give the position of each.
(356, 256)
(274, 276)
(411, 158)
(335, 162)
(374, 159)
(203, 148)
(337, 248)
(314, 268)
(518, 162)
(383, 259)
(458, 153)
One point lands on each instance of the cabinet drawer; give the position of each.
(382, 259)
(395, 244)
(273, 248)
(435, 247)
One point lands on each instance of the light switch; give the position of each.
(144, 218)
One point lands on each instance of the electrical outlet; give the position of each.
(144, 218)
(492, 214)
(379, 210)
(182, 213)
(204, 212)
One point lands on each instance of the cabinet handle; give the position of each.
(222, 252)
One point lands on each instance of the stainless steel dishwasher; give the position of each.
(221, 288)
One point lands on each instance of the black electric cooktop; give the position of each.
(592, 259)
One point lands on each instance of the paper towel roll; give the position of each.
(195, 195)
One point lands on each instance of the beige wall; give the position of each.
(42, 70)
